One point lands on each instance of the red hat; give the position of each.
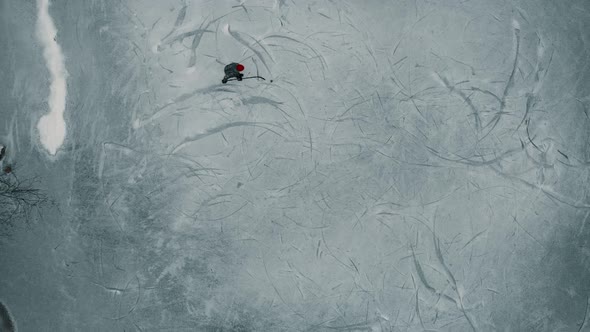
(240, 67)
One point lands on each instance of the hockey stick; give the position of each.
(245, 78)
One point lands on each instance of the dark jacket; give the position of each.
(231, 71)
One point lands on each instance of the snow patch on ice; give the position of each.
(515, 24)
(226, 29)
(437, 79)
(156, 48)
(52, 126)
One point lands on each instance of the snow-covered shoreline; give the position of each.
(52, 126)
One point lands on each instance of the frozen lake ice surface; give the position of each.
(385, 165)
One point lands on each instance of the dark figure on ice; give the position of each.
(233, 71)
(7, 323)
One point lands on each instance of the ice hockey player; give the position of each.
(233, 71)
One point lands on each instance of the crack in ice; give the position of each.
(52, 126)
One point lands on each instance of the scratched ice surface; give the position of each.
(413, 166)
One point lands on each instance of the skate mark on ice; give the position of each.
(237, 36)
(220, 129)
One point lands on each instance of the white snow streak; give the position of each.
(52, 126)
